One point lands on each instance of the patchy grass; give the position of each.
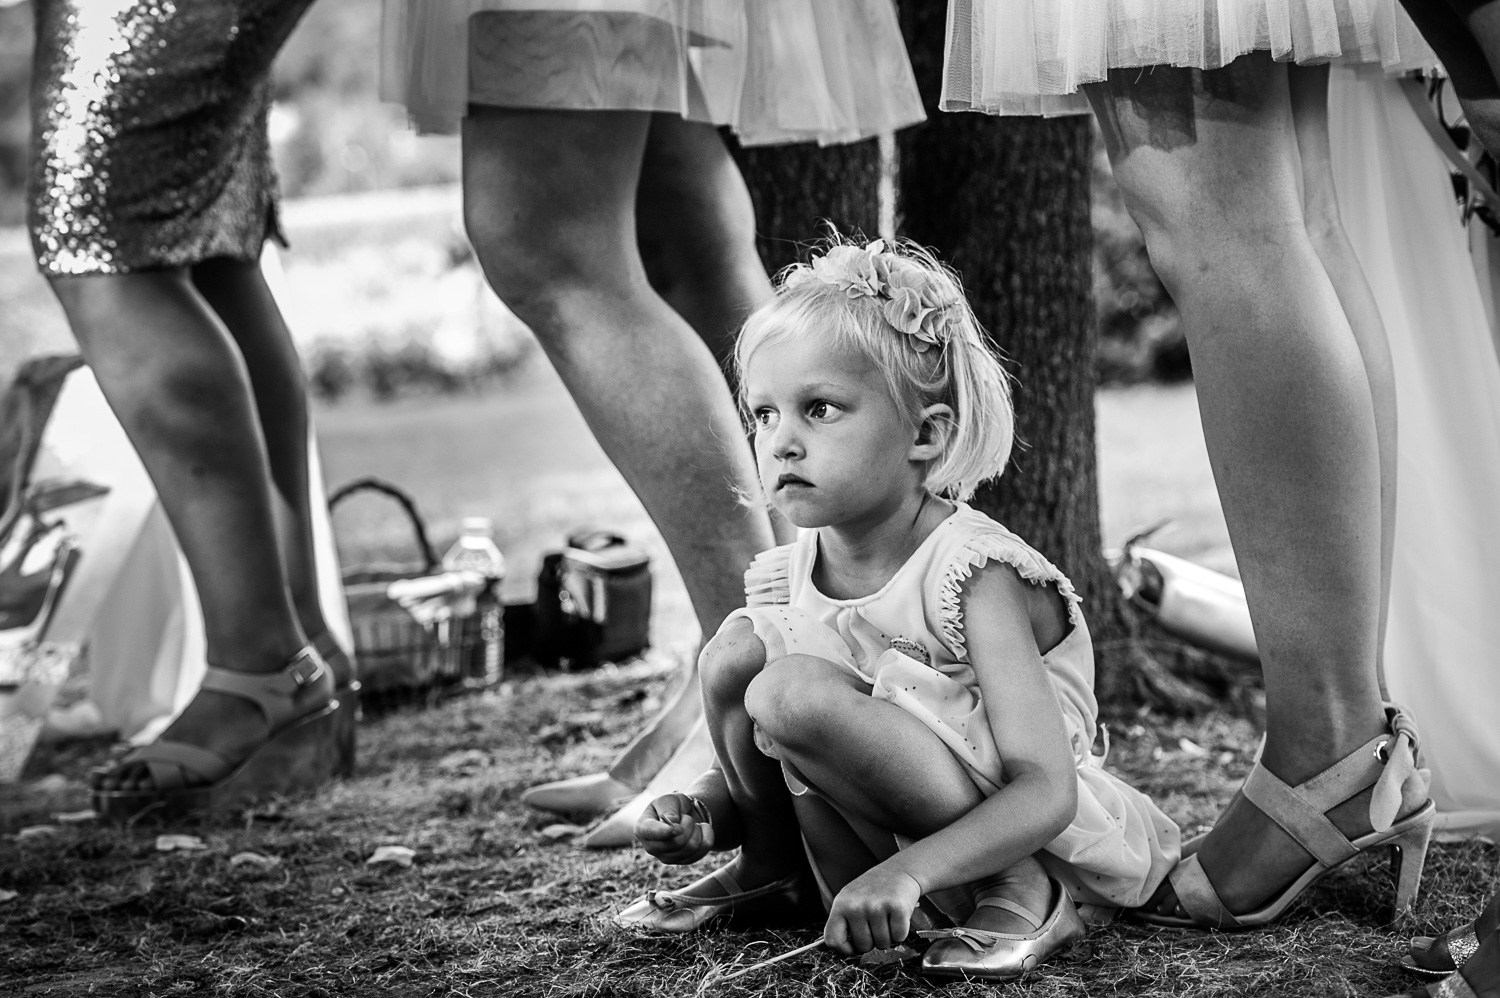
(492, 906)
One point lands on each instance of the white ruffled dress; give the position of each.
(775, 71)
(907, 642)
(1032, 56)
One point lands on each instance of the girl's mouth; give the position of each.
(787, 480)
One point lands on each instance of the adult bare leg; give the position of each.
(1210, 169)
(237, 292)
(1308, 87)
(695, 227)
(171, 373)
(551, 202)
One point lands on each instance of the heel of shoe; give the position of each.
(1408, 858)
(299, 757)
(346, 725)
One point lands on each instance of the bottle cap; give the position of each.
(478, 525)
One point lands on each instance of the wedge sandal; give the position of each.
(299, 753)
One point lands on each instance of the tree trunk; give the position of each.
(1006, 202)
(797, 188)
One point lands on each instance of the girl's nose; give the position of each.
(786, 442)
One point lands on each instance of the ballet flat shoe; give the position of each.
(587, 796)
(673, 912)
(1003, 956)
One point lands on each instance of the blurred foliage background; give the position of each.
(333, 136)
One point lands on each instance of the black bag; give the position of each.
(593, 602)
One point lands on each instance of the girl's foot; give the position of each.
(1025, 885)
(734, 888)
(244, 735)
(1021, 919)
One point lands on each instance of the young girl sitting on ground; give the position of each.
(916, 675)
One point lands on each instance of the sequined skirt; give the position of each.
(148, 141)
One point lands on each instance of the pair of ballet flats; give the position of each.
(1386, 765)
(311, 739)
(981, 954)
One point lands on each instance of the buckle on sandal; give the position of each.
(306, 668)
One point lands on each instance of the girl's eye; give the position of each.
(821, 410)
(763, 417)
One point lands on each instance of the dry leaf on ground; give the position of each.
(393, 855)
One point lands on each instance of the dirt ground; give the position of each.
(499, 902)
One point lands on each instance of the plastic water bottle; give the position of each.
(475, 551)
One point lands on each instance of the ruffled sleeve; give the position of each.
(768, 579)
(1002, 546)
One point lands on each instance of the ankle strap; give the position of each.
(275, 693)
(1011, 906)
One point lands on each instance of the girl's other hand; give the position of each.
(872, 912)
(674, 830)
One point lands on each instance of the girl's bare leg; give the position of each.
(1210, 168)
(880, 769)
(174, 378)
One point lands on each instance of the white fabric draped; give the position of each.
(1443, 643)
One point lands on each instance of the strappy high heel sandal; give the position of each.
(346, 692)
(1387, 763)
(1439, 956)
(1004, 956)
(300, 751)
(675, 912)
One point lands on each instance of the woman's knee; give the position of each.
(549, 201)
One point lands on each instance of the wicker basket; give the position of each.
(398, 656)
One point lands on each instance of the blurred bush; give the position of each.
(1140, 333)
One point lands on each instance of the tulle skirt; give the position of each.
(773, 70)
(1032, 56)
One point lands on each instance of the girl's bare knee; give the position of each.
(730, 661)
(789, 698)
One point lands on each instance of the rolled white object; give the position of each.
(1201, 606)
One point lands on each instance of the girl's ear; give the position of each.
(933, 431)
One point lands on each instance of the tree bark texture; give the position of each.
(798, 188)
(1005, 201)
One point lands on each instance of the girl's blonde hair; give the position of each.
(907, 312)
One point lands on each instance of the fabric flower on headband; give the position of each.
(912, 300)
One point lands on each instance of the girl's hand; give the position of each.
(674, 830)
(872, 912)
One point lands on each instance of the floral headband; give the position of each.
(912, 298)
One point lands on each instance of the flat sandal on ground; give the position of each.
(1387, 763)
(299, 752)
